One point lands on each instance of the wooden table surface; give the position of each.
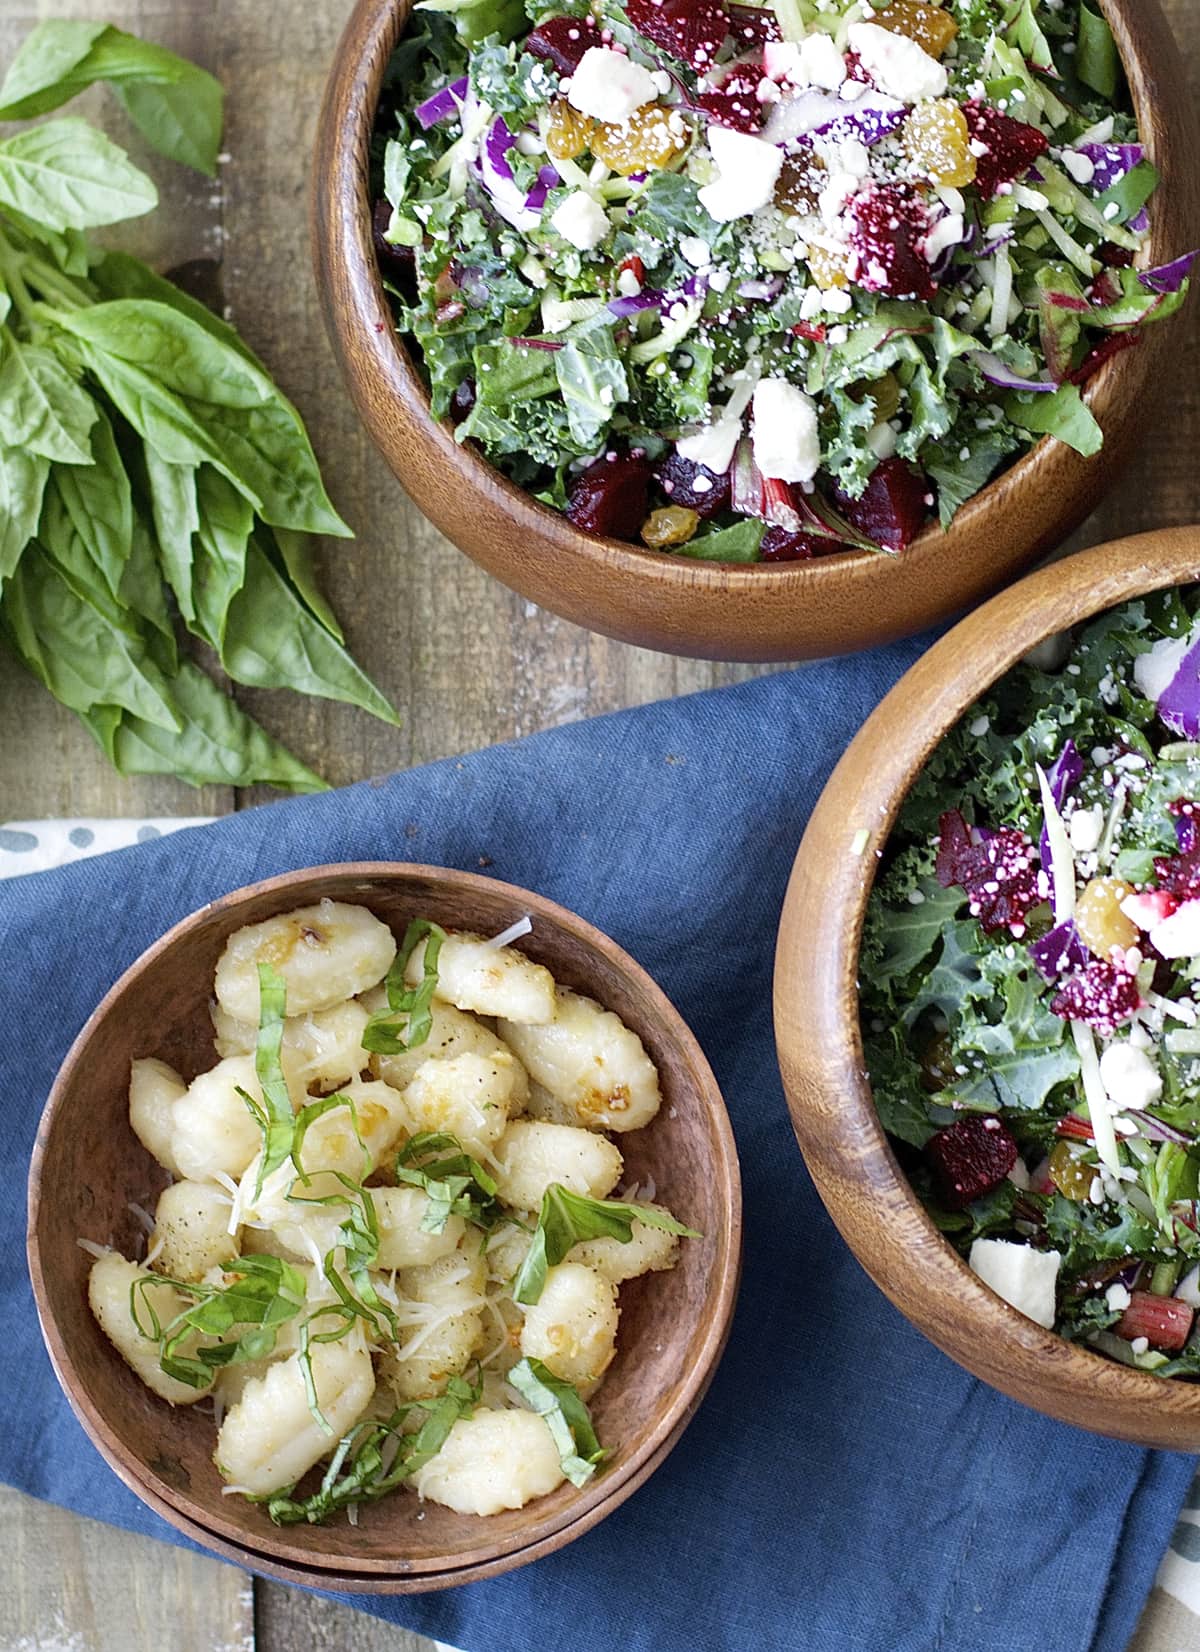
(466, 662)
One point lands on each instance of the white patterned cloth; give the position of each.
(38, 845)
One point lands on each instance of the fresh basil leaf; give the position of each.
(567, 1218)
(1130, 193)
(1064, 414)
(48, 56)
(99, 502)
(565, 1415)
(297, 555)
(248, 429)
(217, 744)
(272, 641)
(67, 175)
(456, 1185)
(175, 104)
(45, 410)
(120, 275)
(176, 513)
(142, 591)
(22, 484)
(383, 1034)
(83, 658)
(223, 531)
(275, 1115)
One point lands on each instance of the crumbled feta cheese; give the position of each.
(581, 220)
(1188, 1288)
(1117, 1298)
(1085, 827)
(696, 251)
(1179, 935)
(1140, 1345)
(813, 61)
(1079, 167)
(1024, 1277)
(628, 284)
(946, 233)
(1132, 1080)
(897, 65)
(609, 86)
(787, 445)
(713, 446)
(748, 170)
(978, 726)
(1154, 671)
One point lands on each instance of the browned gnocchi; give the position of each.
(394, 1234)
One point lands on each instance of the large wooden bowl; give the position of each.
(783, 611)
(88, 1168)
(817, 1024)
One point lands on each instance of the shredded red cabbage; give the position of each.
(1179, 703)
(1169, 278)
(997, 372)
(441, 105)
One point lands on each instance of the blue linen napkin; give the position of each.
(845, 1488)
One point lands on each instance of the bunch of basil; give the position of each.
(150, 471)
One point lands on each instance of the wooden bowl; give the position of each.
(817, 1024)
(88, 1168)
(779, 611)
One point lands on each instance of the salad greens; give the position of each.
(151, 474)
(1029, 1003)
(757, 282)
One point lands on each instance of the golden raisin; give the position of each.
(1071, 1175)
(937, 140)
(828, 269)
(802, 177)
(1099, 919)
(932, 28)
(670, 525)
(652, 136)
(569, 133)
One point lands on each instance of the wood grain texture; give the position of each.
(465, 661)
(89, 1171)
(73, 1585)
(828, 605)
(817, 1016)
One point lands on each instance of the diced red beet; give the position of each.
(1164, 1321)
(970, 1157)
(563, 41)
(732, 105)
(1102, 996)
(610, 497)
(1149, 907)
(1179, 875)
(891, 222)
(691, 30)
(1000, 873)
(1011, 146)
(677, 477)
(855, 69)
(779, 545)
(1117, 258)
(893, 508)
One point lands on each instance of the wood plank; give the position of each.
(73, 1585)
(288, 1618)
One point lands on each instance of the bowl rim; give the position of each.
(833, 1113)
(344, 257)
(602, 1494)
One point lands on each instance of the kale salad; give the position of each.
(761, 282)
(1030, 1006)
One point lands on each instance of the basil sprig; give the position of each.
(407, 1021)
(456, 1185)
(264, 1292)
(362, 1469)
(153, 479)
(565, 1415)
(568, 1218)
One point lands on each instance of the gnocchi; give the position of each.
(357, 1226)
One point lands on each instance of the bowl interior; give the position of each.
(89, 1170)
(817, 1016)
(783, 610)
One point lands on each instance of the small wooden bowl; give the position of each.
(781, 611)
(88, 1168)
(817, 1021)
